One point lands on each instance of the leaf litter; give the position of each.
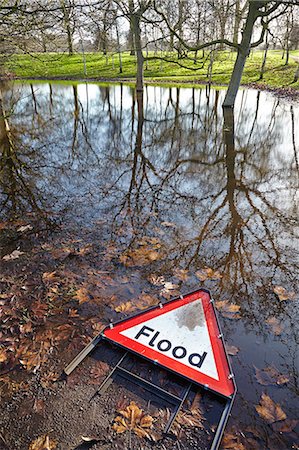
(269, 410)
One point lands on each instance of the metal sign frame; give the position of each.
(176, 401)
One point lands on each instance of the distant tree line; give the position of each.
(193, 29)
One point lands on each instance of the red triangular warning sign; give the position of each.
(182, 336)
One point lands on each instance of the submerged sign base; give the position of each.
(182, 336)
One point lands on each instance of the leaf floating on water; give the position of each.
(275, 325)
(43, 443)
(283, 294)
(169, 290)
(125, 307)
(133, 419)
(270, 376)
(232, 350)
(145, 301)
(227, 309)
(168, 224)
(269, 410)
(156, 280)
(181, 274)
(287, 426)
(14, 255)
(231, 441)
(208, 274)
(148, 251)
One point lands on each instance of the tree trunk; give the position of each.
(264, 58)
(243, 52)
(67, 24)
(118, 49)
(135, 21)
(296, 76)
(237, 22)
(131, 41)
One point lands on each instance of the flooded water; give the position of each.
(132, 200)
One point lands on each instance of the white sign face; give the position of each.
(181, 334)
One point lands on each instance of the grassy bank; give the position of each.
(98, 66)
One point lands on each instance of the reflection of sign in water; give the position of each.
(182, 336)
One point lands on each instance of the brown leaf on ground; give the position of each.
(283, 294)
(50, 276)
(26, 328)
(181, 274)
(3, 355)
(48, 378)
(269, 410)
(99, 371)
(82, 295)
(14, 255)
(227, 309)
(195, 405)
(232, 350)
(73, 312)
(208, 274)
(270, 376)
(231, 441)
(132, 418)
(287, 426)
(24, 228)
(275, 325)
(38, 405)
(43, 443)
(192, 418)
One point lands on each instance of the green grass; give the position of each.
(55, 65)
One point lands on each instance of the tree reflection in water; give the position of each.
(226, 191)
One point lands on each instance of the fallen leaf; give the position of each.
(147, 251)
(231, 441)
(82, 295)
(38, 405)
(50, 276)
(145, 301)
(125, 307)
(73, 312)
(132, 418)
(99, 371)
(169, 290)
(168, 224)
(3, 355)
(181, 274)
(232, 350)
(208, 274)
(275, 325)
(48, 378)
(25, 228)
(287, 426)
(43, 443)
(283, 294)
(227, 309)
(270, 376)
(156, 280)
(14, 255)
(269, 410)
